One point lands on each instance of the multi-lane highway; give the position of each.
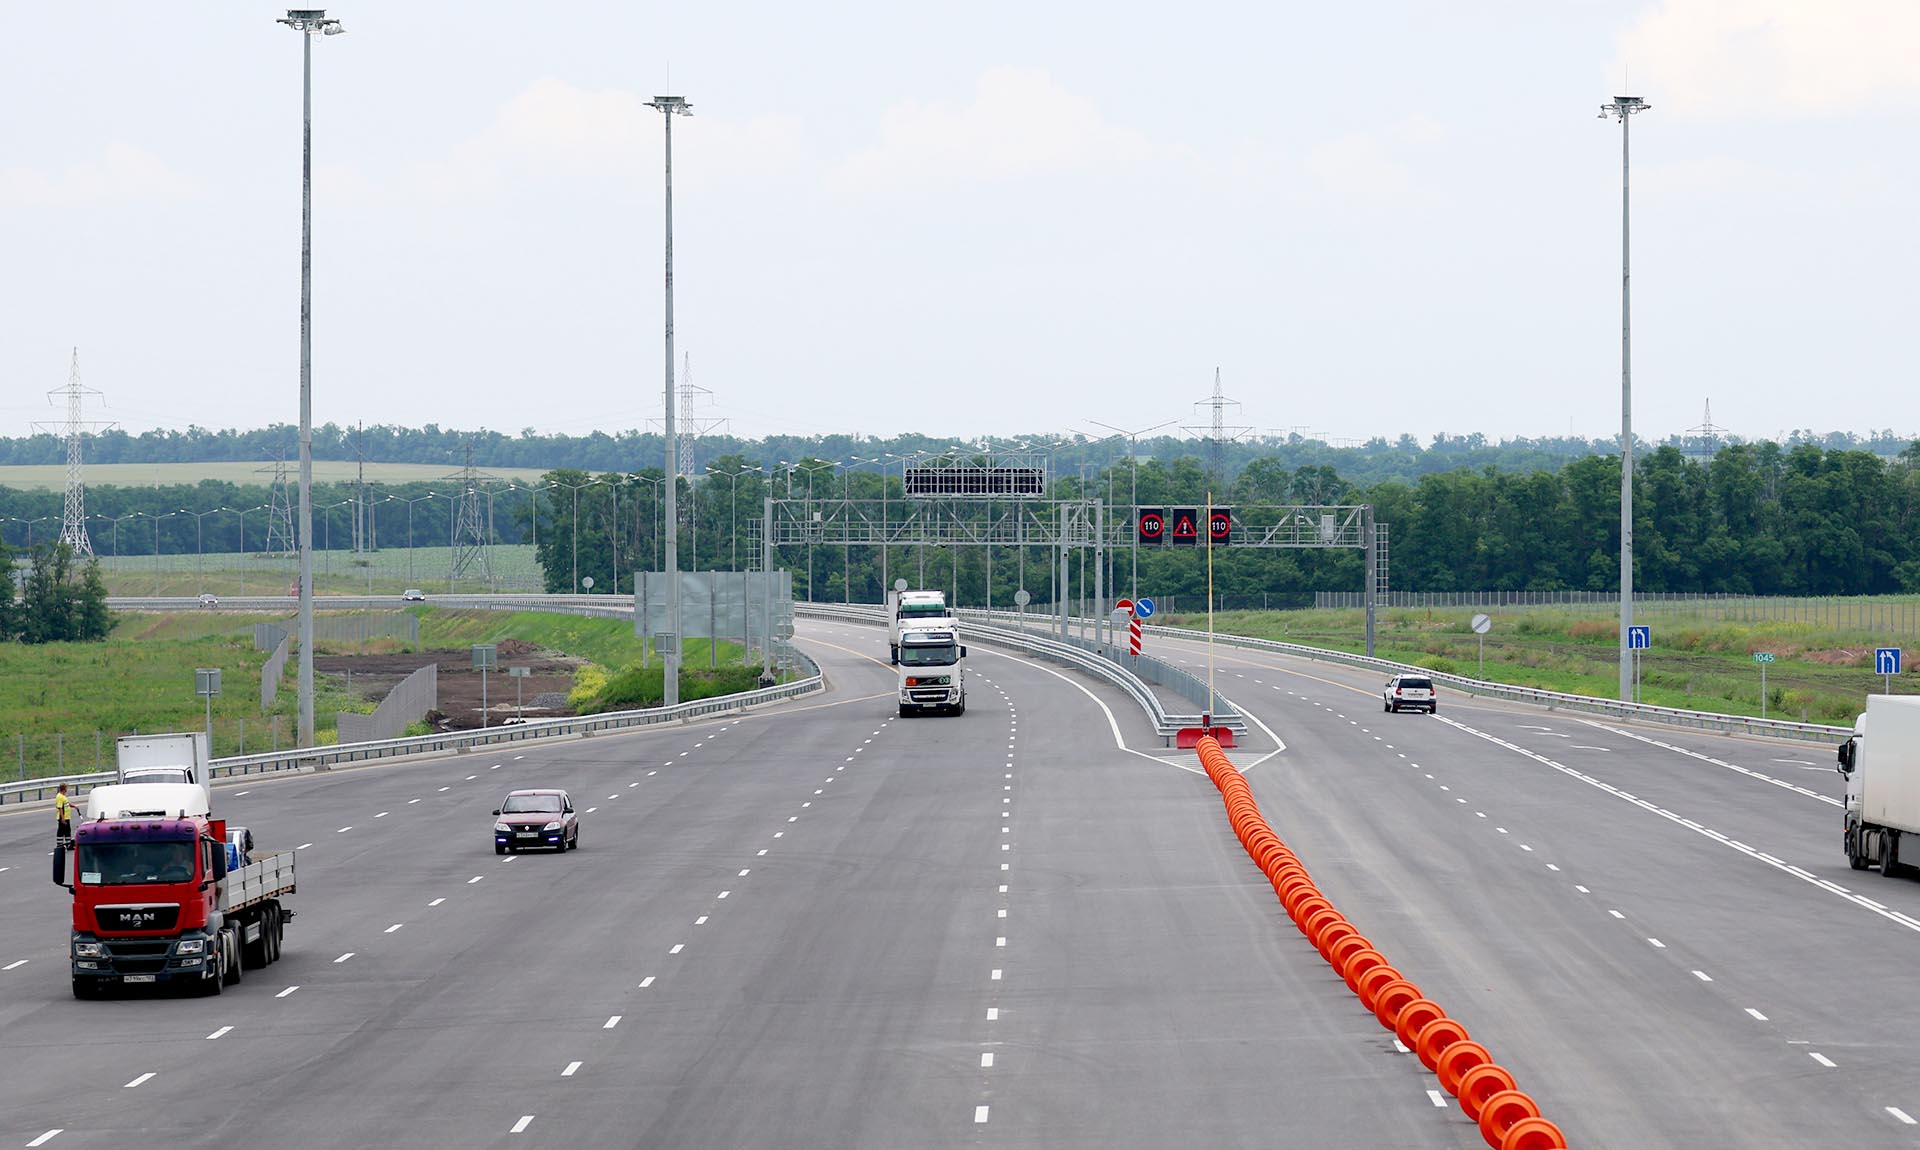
(820, 925)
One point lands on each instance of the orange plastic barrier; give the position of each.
(1508, 1118)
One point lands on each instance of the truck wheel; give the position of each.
(232, 947)
(218, 982)
(960, 708)
(1890, 853)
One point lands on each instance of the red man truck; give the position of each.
(160, 896)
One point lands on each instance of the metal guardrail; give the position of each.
(1165, 724)
(320, 758)
(1552, 700)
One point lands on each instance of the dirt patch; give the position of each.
(549, 676)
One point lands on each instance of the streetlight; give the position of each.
(1625, 107)
(575, 588)
(410, 503)
(1133, 591)
(669, 107)
(309, 22)
(733, 506)
(200, 555)
(809, 468)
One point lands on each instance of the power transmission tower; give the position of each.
(73, 514)
(691, 427)
(1217, 433)
(1705, 441)
(472, 527)
(280, 540)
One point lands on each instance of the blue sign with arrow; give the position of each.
(1639, 638)
(1886, 660)
(1143, 608)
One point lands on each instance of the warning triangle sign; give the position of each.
(1186, 525)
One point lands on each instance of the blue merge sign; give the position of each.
(1143, 608)
(1639, 638)
(1886, 660)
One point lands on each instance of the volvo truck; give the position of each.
(924, 609)
(932, 666)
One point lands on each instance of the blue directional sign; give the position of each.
(1886, 660)
(1143, 608)
(1639, 638)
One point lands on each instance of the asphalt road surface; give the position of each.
(1030, 926)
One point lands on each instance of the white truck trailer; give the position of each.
(922, 609)
(1881, 765)
(171, 758)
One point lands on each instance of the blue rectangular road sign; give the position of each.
(1886, 660)
(1639, 638)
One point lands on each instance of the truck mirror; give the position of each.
(219, 862)
(963, 652)
(1845, 756)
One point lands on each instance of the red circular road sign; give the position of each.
(1153, 525)
(1123, 605)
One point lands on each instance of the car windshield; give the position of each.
(923, 611)
(159, 775)
(942, 655)
(1417, 684)
(530, 805)
(135, 863)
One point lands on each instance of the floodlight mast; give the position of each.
(669, 107)
(1625, 107)
(310, 22)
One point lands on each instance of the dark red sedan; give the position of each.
(540, 818)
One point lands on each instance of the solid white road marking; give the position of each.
(568, 1072)
(521, 1126)
(1902, 1115)
(138, 1081)
(1757, 1016)
(1821, 1059)
(15, 964)
(47, 1137)
(218, 1033)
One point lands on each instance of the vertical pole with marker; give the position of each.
(1210, 700)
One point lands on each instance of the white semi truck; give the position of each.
(1881, 764)
(920, 609)
(932, 666)
(171, 758)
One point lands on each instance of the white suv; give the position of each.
(1414, 691)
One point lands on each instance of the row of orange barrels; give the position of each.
(1508, 1118)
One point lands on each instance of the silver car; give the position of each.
(1414, 691)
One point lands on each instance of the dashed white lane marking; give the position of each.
(1585, 747)
(571, 1067)
(646, 982)
(1616, 913)
(993, 1014)
(381, 815)
(1902, 1115)
(762, 850)
(520, 1127)
(138, 1081)
(1703, 976)
(1757, 1016)
(15, 964)
(701, 921)
(744, 873)
(410, 802)
(979, 1114)
(677, 948)
(343, 830)
(1000, 941)
(1439, 1099)
(986, 1060)
(241, 794)
(1752, 774)
(394, 927)
(448, 788)
(1821, 1059)
(611, 1023)
(287, 991)
(475, 879)
(218, 1033)
(1551, 867)
(496, 766)
(510, 858)
(1401, 1047)
(517, 758)
(344, 957)
(724, 894)
(590, 810)
(47, 1137)
(996, 974)
(469, 778)
(1657, 944)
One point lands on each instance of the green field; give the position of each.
(387, 571)
(1699, 662)
(62, 704)
(53, 476)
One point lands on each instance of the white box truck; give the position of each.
(169, 758)
(1881, 764)
(924, 609)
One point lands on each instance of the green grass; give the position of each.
(1821, 673)
(609, 642)
(387, 571)
(53, 476)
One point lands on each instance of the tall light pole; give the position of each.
(671, 106)
(1133, 467)
(1625, 107)
(309, 22)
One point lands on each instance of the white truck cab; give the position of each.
(915, 609)
(1883, 784)
(932, 665)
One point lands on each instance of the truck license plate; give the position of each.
(139, 978)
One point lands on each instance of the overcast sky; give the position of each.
(971, 219)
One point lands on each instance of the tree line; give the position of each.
(53, 599)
